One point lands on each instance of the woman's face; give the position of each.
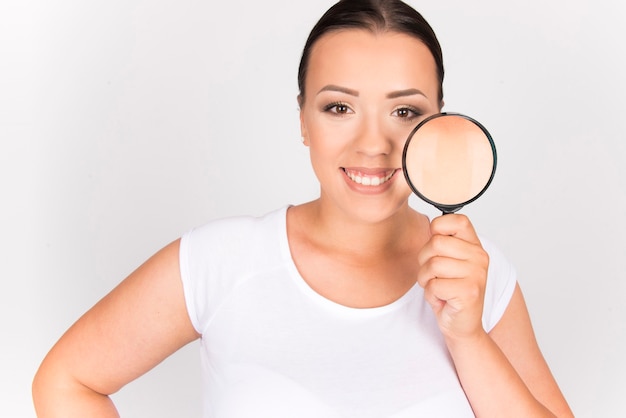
(365, 93)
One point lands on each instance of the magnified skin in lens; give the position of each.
(449, 160)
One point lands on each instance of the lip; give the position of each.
(369, 180)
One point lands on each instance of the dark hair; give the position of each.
(375, 16)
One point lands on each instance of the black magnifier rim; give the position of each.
(444, 207)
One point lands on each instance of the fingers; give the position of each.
(448, 246)
(453, 272)
(458, 306)
(439, 267)
(458, 294)
(455, 225)
(452, 236)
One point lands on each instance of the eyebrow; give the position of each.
(392, 95)
(333, 87)
(404, 93)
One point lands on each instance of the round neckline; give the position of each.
(323, 301)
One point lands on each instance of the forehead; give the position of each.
(358, 58)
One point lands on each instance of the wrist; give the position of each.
(468, 342)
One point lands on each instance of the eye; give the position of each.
(407, 112)
(338, 108)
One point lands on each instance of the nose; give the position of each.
(373, 139)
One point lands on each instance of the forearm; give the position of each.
(490, 382)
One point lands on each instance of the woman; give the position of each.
(352, 305)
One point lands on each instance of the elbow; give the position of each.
(43, 387)
(52, 389)
(56, 393)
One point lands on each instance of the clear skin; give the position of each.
(364, 93)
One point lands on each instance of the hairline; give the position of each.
(374, 28)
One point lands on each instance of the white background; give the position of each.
(125, 122)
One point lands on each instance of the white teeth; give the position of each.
(365, 180)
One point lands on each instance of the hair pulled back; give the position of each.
(376, 16)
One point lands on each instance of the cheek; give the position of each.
(324, 150)
(326, 138)
(327, 153)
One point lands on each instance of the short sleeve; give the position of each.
(206, 255)
(190, 285)
(219, 255)
(501, 282)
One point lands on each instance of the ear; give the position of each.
(303, 130)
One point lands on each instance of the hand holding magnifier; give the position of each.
(449, 160)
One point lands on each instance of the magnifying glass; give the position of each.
(449, 160)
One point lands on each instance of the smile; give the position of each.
(369, 179)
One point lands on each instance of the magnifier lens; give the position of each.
(449, 160)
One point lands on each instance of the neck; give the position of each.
(367, 236)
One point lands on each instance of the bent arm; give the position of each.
(504, 373)
(131, 330)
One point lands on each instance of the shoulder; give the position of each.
(228, 234)
(217, 257)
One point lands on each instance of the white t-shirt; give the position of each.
(272, 347)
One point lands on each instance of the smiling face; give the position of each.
(365, 93)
